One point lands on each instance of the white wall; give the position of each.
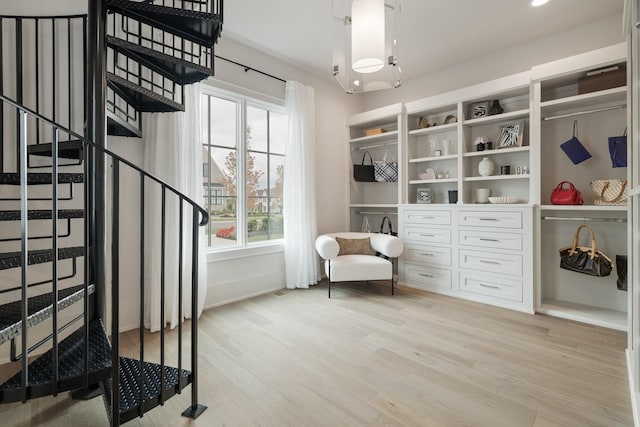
(601, 33)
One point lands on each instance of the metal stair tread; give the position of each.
(40, 308)
(41, 178)
(15, 215)
(177, 69)
(66, 149)
(70, 366)
(140, 98)
(39, 256)
(200, 27)
(175, 380)
(117, 126)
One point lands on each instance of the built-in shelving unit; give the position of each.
(374, 200)
(435, 137)
(559, 100)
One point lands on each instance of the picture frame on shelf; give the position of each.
(424, 195)
(479, 109)
(510, 134)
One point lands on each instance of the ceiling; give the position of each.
(432, 35)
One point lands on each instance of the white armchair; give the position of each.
(351, 264)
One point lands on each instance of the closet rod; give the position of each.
(376, 145)
(578, 113)
(376, 213)
(583, 219)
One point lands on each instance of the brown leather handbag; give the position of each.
(584, 259)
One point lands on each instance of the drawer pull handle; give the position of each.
(428, 275)
(426, 254)
(489, 286)
(427, 235)
(489, 262)
(488, 219)
(488, 240)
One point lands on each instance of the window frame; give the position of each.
(242, 99)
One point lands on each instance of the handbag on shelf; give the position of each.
(362, 172)
(621, 268)
(386, 220)
(584, 259)
(566, 196)
(609, 192)
(618, 150)
(366, 228)
(386, 170)
(574, 149)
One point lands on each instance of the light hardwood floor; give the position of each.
(365, 358)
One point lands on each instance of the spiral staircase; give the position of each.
(66, 82)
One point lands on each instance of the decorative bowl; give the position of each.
(503, 200)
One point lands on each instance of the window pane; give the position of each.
(223, 122)
(223, 223)
(276, 225)
(277, 132)
(256, 129)
(276, 172)
(257, 185)
(220, 183)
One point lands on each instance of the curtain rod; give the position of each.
(247, 68)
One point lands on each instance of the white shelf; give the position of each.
(585, 102)
(386, 136)
(495, 152)
(497, 118)
(433, 181)
(374, 205)
(434, 129)
(433, 158)
(496, 177)
(570, 208)
(585, 313)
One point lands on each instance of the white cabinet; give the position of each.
(481, 253)
(502, 254)
(427, 262)
(560, 101)
(441, 135)
(380, 133)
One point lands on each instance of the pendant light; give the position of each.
(367, 36)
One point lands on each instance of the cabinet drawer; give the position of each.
(494, 287)
(426, 235)
(427, 277)
(427, 254)
(491, 262)
(430, 217)
(490, 239)
(491, 219)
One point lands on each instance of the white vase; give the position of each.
(485, 167)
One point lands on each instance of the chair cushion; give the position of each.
(348, 268)
(355, 246)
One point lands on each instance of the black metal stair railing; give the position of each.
(153, 382)
(42, 67)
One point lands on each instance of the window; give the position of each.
(243, 149)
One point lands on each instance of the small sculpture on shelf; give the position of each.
(496, 108)
(486, 167)
(482, 142)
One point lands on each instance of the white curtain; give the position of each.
(300, 228)
(173, 153)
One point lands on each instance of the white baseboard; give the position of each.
(632, 390)
(240, 298)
